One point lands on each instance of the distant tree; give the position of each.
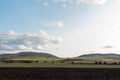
(100, 62)
(26, 61)
(80, 62)
(104, 63)
(45, 61)
(119, 62)
(72, 62)
(115, 63)
(37, 61)
(53, 61)
(8, 61)
(96, 62)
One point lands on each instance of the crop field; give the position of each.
(59, 74)
(28, 68)
(66, 59)
(36, 58)
(59, 65)
(60, 62)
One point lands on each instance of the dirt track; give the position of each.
(58, 74)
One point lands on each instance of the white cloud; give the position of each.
(81, 1)
(64, 5)
(56, 39)
(45, 4)
(108, 46)
(16, 41)
(62, 1)
(91, 1)
(65, 2)
(100, 1)
(5, 47)
(54, 24)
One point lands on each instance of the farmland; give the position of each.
(40, 59)
(60, 62)
(59, 74)
(46, 68)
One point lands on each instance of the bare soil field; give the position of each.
(59, 74)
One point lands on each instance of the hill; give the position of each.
(107, 55)
(28, 54)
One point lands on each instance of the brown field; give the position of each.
(59, 74)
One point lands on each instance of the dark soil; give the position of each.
(58, 74)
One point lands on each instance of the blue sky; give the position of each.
(23, 14)
(65, 28)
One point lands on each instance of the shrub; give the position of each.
(119, 62)
(45, 61)
(104, 63)
(99, 62)
(26, 61)
(96, 62)
(53, 61)
(36, 61)
(72, 62)
(114, 63)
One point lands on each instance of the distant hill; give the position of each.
(28, 54)
(107, 55)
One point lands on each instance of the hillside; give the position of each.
(28, 54)
(107, 55)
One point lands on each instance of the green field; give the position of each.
(56, 62)
(61, 65)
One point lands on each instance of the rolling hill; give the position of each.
(28, 54)
(107, 55)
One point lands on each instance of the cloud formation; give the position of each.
(54, 24)
(65, 2)
(45, 4)
(108, 47)
(12, 41)
(81, 1)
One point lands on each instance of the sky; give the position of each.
(65, 28)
